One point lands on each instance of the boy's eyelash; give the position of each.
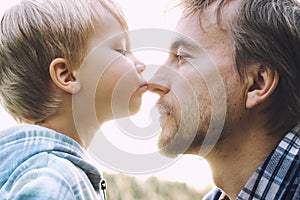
(122, 51)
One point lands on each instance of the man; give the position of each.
(230, 93)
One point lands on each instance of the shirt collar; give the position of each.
(272, 179)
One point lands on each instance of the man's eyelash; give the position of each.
(179, 56)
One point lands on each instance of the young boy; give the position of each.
(49, 58)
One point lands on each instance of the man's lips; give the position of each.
(164, 109)
(164, 115)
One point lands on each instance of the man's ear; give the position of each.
(63, 77)
(262, 82)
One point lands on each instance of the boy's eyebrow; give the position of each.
(186, 43)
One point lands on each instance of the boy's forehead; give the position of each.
(107, 31)
(109, 25)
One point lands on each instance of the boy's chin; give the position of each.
(135, 101)
(132, 109)
(134, 106)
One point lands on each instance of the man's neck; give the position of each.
(236, 158)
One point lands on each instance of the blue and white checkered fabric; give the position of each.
(41, 164)
(278, 178)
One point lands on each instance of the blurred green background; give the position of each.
(124, 187)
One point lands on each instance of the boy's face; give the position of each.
(111, 72)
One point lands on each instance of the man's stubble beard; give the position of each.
(183, 135)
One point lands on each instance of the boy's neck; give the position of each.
(81, 131)
(63, 127)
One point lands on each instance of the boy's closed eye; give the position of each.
(122, 47)
(124, 52)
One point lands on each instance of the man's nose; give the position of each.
(160, 82)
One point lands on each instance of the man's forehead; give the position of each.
(218, 12)
(196, 36)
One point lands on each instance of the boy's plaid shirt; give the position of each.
(41, 164)
(278, 177)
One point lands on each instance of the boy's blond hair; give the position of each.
(32, 34)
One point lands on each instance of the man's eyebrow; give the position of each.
(186, 43)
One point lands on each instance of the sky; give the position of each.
(139, 14)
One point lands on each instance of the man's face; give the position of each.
(199, 86)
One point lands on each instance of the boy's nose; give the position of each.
(140, 67)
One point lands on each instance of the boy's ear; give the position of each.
(262, 82)
(63, 76)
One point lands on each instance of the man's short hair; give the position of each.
(266, 32)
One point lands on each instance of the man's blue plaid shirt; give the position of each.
(278, 178)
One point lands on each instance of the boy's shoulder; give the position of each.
(44, 175)
(23, 132)
(37, 158)
(30, 139)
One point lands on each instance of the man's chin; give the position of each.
(173, 152)
(172, 147)
(171, 143)
(168, 152)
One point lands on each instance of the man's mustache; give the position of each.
(164, 107)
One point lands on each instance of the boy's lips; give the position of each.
(144, 86)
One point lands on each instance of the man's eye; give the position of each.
(180, 58)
